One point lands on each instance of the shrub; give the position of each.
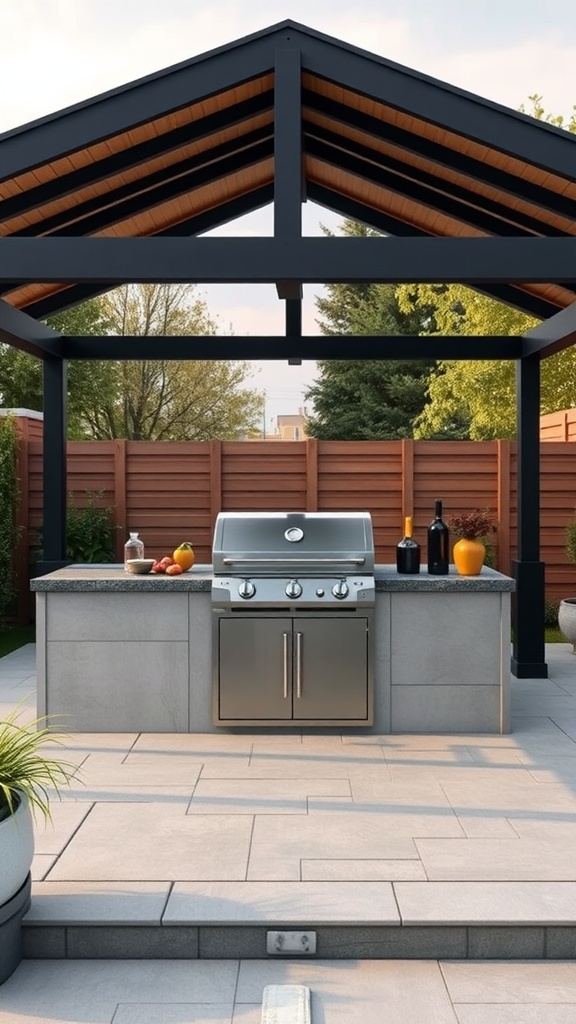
(89, 531)
(551, 613)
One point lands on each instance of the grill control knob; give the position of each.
(293, 589)
(246, 589)
(340, 589)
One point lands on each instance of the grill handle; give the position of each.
(285, 642)
(298, 665)
(307, 562)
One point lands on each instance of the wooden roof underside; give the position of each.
(211, 159)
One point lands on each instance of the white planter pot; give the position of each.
(567, 619)
(16, 849)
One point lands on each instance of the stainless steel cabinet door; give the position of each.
(330, 668)
(255, 668)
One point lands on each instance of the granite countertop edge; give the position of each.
(113, 579)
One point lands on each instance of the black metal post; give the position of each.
(294, 325)
(528, 655)
(54, 465)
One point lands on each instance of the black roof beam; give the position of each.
(508, 294)
(135, 156)
(556, 334)
(490, 124)
(443, 156)
(152, 190)
(308, 260)
(421, 188)
(205, 221)
(424, 187)
(293, 347)
(119, 110)
(288, 168)
(23, 332)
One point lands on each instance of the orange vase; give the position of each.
(469, 556)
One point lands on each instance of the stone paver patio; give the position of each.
(413, 857)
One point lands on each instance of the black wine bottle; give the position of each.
(408, 551)
(438, 535)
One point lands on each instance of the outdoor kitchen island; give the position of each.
(123, 653)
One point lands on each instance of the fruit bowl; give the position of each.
(139, 566)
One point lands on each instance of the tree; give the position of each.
(163, 399)
(21, 374)
(477, 399)
(373, 399)
(146, 400)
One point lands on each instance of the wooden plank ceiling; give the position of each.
(212, 160)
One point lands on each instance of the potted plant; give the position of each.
(567, 607)
(26, 774)
(472, 530)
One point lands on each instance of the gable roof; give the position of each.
(191, 147)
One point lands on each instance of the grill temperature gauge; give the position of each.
(246, 589)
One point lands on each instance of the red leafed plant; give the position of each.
(472, 525)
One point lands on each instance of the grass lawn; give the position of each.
(12, 639)
(554, 636)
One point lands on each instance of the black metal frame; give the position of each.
(497, 266)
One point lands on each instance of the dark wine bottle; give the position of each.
(408, 551)
(438, 535)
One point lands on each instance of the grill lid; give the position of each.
(303, 543)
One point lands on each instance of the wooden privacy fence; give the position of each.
(172, 491)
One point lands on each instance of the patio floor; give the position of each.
(409, 856)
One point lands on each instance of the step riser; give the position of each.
(333, 943)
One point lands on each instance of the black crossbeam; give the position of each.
(293, 347)
(307, 260)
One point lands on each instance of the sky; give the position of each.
(59, 52)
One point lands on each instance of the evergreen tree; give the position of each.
(372, 399)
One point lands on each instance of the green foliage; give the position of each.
(366, 400)
(21, 374)
(9, 499)
(24, 768)
(90, 530)
(551, 613)
(144, 400)
(372, 399)
(571, 541)
(13, 639)
(479, 397)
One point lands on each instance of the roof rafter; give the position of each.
(25, 333)
(554, 335)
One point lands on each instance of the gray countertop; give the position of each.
(113, 578)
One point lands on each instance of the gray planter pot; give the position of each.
(11, 914)
(567, 620)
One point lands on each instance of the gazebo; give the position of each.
(118, 188)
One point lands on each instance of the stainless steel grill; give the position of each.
(293, 597)
(279, 559)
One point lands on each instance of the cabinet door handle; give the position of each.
(298, 664)
(285, 641)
